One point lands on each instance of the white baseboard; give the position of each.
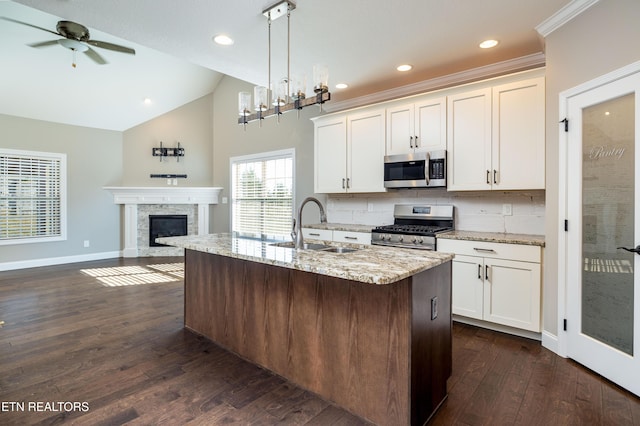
(34, 263)
(550, 341)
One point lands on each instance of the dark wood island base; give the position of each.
(374, 350)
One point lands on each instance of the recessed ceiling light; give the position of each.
(147, 101)
(405, 67)
(341, 86)
(223, 39)
(488, 44)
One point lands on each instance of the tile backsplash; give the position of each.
(474, 211)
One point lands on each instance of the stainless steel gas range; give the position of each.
(415, 226)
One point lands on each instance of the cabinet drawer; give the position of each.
(352, 237)
(490, 250)
(317, 234)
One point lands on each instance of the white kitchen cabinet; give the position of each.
(349, 152)
(496, 282)
(352, 237)
(317, 234)
(417, 126)
(495, 137)
(330, 154)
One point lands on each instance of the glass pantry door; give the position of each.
(602, 298)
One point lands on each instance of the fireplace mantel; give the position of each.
(131, 196)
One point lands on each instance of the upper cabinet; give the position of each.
(417, 126)
(349, 152)
(495, 137)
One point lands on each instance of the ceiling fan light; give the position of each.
(73, 45)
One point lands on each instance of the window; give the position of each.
(32, 196)
(262, 195)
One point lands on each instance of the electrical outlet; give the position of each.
(168, 181)
(507, 210)
(86, 243)
(175, 182)
(434, 308)
(224, 200)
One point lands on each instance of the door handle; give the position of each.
(632, 250)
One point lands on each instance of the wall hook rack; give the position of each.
(163, 152)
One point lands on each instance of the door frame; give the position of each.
(563, 146)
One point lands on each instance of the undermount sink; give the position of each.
(316, 246)
(305, 246)
(340, 250)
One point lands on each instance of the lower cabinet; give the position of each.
(337, 236)
(496, 282)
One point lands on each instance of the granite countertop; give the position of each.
(369, 264)
(494, 237)
(349, 227)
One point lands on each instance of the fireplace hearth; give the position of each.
(166, 225)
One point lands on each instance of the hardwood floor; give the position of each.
(121, 354)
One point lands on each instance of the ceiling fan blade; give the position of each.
(111, 46)
(95, 56)
(43, 44)
(29, 25)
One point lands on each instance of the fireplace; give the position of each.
(166, 225)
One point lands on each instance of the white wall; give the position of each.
(94, 160)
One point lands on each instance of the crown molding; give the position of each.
(522, 63)
(564, 15)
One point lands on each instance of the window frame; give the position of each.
(262, 156)
(62, 183)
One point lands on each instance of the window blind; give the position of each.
(262, 196)
(31, 196)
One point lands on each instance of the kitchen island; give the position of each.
(369, 330)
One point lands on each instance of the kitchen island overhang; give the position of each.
(369, 330)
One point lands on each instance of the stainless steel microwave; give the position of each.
(416, 170)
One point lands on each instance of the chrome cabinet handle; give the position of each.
(410, 141)
(343, 180)
(348, 183)
(495, 180)
(479, 271)
(484, 250)
(350, 238)
(486, 272)
(416, 144)
(314, 234)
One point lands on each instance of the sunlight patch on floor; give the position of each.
(120, 276)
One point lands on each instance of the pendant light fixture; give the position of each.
(286, 94)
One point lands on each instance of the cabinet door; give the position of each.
(330, 152)
(512, 293)
(469, 140)
(352, 237)
(467, 286)
(400, 130)
(365, 151)
(431, 125)
(518, 135)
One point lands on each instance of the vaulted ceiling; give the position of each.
(361, 42)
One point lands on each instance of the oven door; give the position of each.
(406, 171)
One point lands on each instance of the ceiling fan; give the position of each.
(75, 38)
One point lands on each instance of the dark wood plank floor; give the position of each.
(121, 354)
